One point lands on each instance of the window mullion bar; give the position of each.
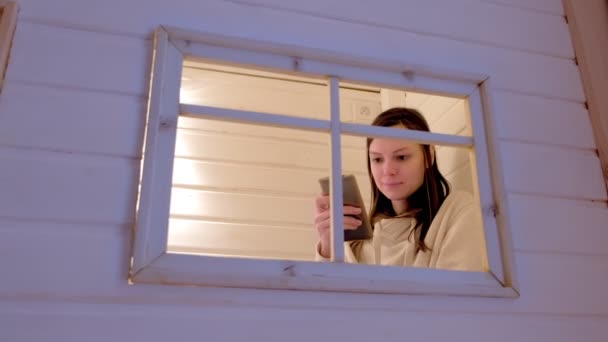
(419, 137)
(337, 209)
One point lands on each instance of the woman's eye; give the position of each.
(376, 160)
(403, 157)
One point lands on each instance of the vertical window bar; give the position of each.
(337, 209)
(487, 197)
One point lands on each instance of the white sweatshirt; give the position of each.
(455, 238)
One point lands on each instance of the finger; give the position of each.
(351, 223)
(322, 202)
(322, 216)
(349, 210)
(323, 227)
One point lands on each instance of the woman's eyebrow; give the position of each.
(403, 149)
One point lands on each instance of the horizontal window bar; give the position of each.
(420, 137)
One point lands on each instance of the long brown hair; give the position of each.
(424, 203)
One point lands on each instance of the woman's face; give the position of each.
(397, 168)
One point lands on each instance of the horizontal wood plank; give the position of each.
(36, 321)
(71, 58)
(242, 207)
(541, 120)
(247, 240)
(56, 258)
(56, 186)
(127, 58)
(554, 7)
(552, 171)
(557, 225)
(71, 120)
(511, 27)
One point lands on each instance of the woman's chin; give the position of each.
(396, 197)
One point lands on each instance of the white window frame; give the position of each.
(153, 263)
(8, 21)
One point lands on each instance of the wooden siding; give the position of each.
(71, 126)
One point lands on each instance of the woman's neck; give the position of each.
(399, 206)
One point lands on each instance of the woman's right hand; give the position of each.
(323, 222)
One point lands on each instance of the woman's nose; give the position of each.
(389, 169)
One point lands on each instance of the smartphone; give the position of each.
(352, 197)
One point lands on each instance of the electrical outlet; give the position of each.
(365, 112)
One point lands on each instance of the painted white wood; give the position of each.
(52, 187)
(558, 225)
(500, 190)
(511, 27)
(390, 98)
(553, 7)
(449, 158)
(229, 87)
(245, 239)
(484, 189)
(65, 120)
(461, 178)
(280, 153)
(541, 120)
(65, 57)
(159, 149)
(509, 69)
(47, 258)
(453, 121)
(351, 68)
(242, 206)
(455, 165)
(85, 321)
(335, 276)
(246, 177)
(552, 171)
(419, 137)
(586, 20)
(247, 89)
(8, 21)
(213, 127)
(335, 180)
(415, 100)
(437, 108)
(94, 269)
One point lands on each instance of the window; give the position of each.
(8, 19)
(208, 92)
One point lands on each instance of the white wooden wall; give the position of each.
(71, 126)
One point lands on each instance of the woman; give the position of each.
(417, 220)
